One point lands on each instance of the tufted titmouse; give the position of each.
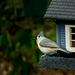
(47, 46)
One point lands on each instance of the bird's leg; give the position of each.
(52, 54)
(59, 54)
(43, 55)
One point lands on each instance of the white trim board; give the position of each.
(68, 38)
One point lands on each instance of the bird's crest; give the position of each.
(40, 34)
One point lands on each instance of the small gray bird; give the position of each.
(47, 46)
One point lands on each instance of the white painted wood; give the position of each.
(68, 38)
(72, 40)
(72, 33)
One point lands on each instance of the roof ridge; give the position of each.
(63, 8)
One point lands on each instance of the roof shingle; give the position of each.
(61, 9)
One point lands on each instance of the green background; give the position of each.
(17, 49)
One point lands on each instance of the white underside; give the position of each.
(46, 50)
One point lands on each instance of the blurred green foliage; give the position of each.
(16, 42)
(35, 8)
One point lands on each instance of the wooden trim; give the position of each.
(68, 38)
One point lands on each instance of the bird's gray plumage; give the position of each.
(48, 46)
(40, 34)
(48, 43)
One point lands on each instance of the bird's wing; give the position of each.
(48, 43)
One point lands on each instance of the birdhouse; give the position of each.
(64, 13)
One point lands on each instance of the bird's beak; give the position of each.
(35, 38)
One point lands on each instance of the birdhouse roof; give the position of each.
(61, 9)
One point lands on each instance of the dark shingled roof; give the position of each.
(57, 63)
(60, 60)
(61, 9)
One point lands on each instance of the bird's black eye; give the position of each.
(39, 36)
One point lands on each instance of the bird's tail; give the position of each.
(64, 50)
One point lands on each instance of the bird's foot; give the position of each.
(43, 55)
(52, 54)
(58, 55)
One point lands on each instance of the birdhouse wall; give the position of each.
(60, 33)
